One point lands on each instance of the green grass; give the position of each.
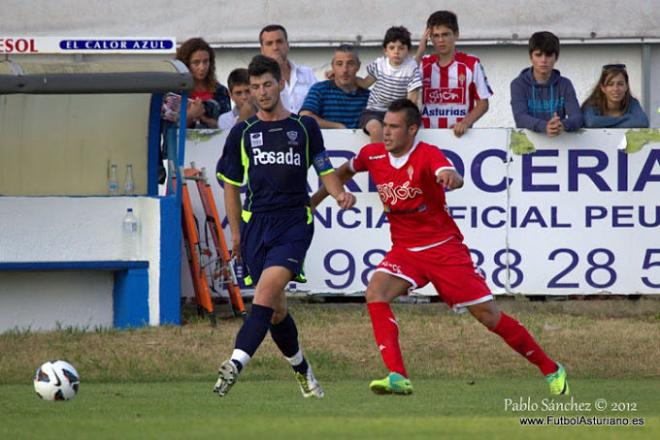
(155, 382)
(274, 409)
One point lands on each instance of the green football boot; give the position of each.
(394, 383)
(557, 381)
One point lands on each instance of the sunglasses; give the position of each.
(614, 66)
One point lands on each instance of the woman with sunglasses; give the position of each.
(610, 104)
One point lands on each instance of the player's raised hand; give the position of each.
(345, 200)
(449, 179)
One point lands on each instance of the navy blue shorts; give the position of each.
(276, 239)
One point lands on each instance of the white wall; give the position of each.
(42, 300)
(230, 21)
(66, 229)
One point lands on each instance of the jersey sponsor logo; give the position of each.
(393, 194)
(256, 139)
(460, 112)
(444, 95)
(378, 156)
(275, 157)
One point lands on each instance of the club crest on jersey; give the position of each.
(410, 172)
(393, 194)
(461, 79)
(256, 139)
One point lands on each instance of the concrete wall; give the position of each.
(44, 300)
(67, 229)
(313, 22)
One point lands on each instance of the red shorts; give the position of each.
(447, 266)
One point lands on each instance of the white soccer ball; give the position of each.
(56, 380)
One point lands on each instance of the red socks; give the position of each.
(520, 340)
(386, 333)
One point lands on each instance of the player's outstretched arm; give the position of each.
(336, 183)
(233, 208)
(449, 179)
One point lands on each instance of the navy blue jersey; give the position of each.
(272, 158)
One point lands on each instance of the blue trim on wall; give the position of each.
(153, 146)
(131, 298)
(170, 260)
(74, 265)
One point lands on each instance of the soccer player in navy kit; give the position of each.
(271, 233)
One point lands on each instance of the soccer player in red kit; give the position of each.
(411, 177)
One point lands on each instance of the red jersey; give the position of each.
(449, 92)
(412, 199)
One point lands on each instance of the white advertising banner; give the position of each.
(584, 216)
(577, 216)
(86, 45)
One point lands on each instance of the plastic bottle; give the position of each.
(130, 223)
(130, 243)
(113, 183)
(129, 186)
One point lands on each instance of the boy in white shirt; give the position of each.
(238, 82)
(395, 75)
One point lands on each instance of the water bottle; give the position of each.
(129, 186)
(130, 243)
(113, 183)
(130, 223)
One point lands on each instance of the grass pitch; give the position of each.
(156, 382)
(256, 409)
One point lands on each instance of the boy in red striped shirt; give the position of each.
(455, 89)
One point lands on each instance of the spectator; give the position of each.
(541, 99)
(339, 102)
(209, 99)
(610, 104)
(239, 92)
(394, 75)
(274, 42)
(455, 89)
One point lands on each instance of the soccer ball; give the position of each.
(56, 380)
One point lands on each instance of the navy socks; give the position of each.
(285, 335)
(251, 334)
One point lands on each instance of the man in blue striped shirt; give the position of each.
(339, 102)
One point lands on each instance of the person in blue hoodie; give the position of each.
(610, 104)
(541, 99)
